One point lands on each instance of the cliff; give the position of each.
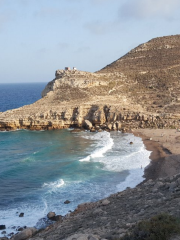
(139, 90)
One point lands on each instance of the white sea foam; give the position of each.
(135, 161)
(121, 156)
(130, 161)
(135, 165)
(6, 131)
(104, 143)
(29, 159)
(32, 211)
(116, 155)
(70, 129)
(35, 152)
(10, 217)
(54, 185)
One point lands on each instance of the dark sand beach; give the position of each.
(165, 147)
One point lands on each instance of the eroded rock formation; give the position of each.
(139, 90)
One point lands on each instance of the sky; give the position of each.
(37, 37)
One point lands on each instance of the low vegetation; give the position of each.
(160, 227)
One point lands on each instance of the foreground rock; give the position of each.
(111, 218)
(2, 227)
(26, 233)
(83, 237)
(53, 217)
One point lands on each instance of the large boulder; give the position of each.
(26, 233)
(2, 227)
(21, 215)
(51, 215)
(88, 124)
(110, 126)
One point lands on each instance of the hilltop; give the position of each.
(139, 90)
(153, 72)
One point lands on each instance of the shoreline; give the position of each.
(130, 206)
(165, 152)
(160, 156)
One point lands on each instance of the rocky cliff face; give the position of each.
(74, 79)
(139, 90)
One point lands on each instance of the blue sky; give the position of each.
(39, 36)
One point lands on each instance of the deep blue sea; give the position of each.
(14, 95)
(39, 170)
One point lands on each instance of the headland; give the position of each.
(139, 93)
(139, 90)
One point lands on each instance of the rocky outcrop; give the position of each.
(111, 218)
(26, 233)
(38, 117)
(139, 90)
(74, 79)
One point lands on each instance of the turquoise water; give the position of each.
(39, 170)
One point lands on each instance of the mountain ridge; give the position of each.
(139, 90)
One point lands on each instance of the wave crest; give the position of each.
(104, 143)
(56, 184)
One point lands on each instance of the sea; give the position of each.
(40, 170)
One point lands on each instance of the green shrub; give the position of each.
(159, 227)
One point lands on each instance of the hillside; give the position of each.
(153, 72)
(139, 90)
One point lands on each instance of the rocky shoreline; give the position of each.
(112, 217)
(138, 91)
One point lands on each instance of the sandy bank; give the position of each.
(165, 147)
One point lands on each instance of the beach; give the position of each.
(117, 214)
(165, 147)
(65, 165)
(155, 194)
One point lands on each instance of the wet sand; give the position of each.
(165, 147)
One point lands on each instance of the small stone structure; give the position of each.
(67, 68)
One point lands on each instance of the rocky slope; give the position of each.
(141, 89)
(111, 218)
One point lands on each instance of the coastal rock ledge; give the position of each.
(139, 90)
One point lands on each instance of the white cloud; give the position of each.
(148, 8)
